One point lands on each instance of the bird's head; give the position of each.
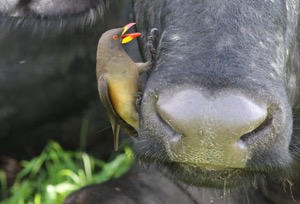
(116, 37)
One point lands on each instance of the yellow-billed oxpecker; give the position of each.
(118, 80)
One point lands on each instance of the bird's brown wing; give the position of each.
(115, 121)
(113, 117)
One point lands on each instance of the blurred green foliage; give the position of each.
(50, 177)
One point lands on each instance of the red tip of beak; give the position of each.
(132, 35)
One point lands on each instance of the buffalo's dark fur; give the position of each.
(248, 46)
(215, 45)
(78, 14)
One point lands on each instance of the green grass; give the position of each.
(50, 177)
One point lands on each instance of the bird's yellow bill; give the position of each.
(128, 37)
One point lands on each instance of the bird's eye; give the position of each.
(115, 37)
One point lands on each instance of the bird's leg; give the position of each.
(143, 67)
(152, 42)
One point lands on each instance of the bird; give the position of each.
(118, 79)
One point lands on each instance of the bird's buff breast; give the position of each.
(122, 93)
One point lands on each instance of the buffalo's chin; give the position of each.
(215, 178)
(211, 176)
(225, 178)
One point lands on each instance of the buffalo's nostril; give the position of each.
(211, 122)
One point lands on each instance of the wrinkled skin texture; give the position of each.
(246, 46)
(233, 49)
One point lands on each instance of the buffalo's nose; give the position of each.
(208, 128)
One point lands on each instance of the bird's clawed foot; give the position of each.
(153, 42)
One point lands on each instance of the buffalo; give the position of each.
(219, 111)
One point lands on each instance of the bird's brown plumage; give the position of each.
(118, 82)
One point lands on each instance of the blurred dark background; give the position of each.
(48, 87)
